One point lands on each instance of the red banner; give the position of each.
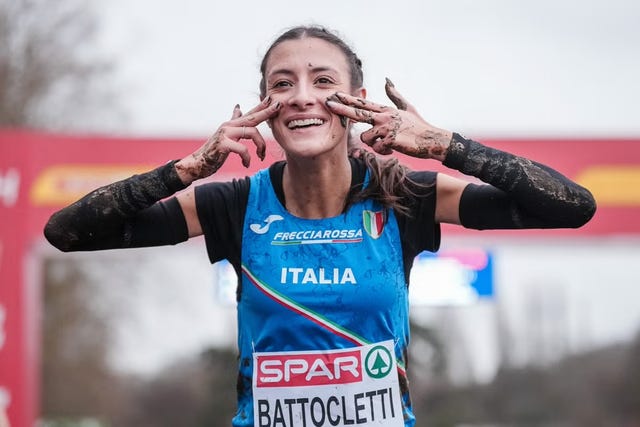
(41, 172)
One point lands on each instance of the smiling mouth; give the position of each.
(304, 123)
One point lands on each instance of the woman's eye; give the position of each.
(280, 84)
(324, 80)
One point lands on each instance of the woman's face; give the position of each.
(301, 74)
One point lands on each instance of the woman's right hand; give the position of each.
(212, 155)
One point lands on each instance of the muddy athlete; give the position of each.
(323, 242)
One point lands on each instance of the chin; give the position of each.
(311, 145)
(316, 149)
(307, 152)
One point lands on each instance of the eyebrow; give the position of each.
(288, 72)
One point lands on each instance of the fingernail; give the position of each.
(267, 100)
(277, 105)
(389, 82)
(237, 107)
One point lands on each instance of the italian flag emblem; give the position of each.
(373, 222)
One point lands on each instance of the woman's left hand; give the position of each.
(394, 129)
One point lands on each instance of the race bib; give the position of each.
(355, 386)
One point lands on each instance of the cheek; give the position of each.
(339, 132)
(273, 120)
(277, 95)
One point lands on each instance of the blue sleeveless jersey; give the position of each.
(322, 317)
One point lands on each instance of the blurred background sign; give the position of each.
(452, 277)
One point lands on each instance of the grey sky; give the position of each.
(482, 67)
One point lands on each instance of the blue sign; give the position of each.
(452, 277)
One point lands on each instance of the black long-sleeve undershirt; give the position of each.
(520, 194)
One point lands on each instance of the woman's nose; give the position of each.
(302, 96)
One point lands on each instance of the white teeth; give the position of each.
(305, 122)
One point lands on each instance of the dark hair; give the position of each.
(388, 183)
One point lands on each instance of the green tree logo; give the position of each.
(378, 362)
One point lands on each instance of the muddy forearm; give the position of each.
(100, 219)
(537, 190)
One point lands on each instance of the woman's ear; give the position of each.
(361, 93)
